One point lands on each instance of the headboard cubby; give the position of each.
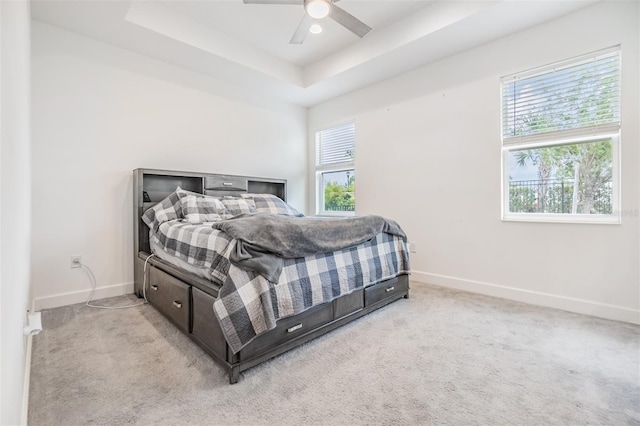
(158, 187)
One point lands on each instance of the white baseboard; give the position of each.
(81, 296)
(580, 306)
(27, 375)
(25, 386)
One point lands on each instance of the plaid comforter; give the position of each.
(249, 305)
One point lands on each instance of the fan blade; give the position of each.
(348, 21)
(303, 29)
(298, 2)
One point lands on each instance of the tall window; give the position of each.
(560, 141)
(335, 170)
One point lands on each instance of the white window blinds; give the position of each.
(335, 146)
(575, 96)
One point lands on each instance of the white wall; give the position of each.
(98, 113)
(428, 154)
(15, 206)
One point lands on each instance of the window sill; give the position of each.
(335, 214)
(596, 219)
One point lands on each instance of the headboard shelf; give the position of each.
(158, 186)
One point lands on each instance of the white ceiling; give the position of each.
(270, 27)
(248, 44)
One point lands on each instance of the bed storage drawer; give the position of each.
(346, 305)
(205, 326)
(170, 296)
(287, 329)
(389, 289)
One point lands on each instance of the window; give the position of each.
(335, 170)
(560, 141)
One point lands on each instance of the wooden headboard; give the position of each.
(158, 184)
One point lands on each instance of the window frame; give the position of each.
(320, 170)
(588, 134)
(320, 191)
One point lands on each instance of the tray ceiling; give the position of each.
(248, 44)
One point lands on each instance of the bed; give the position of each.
(197, 262)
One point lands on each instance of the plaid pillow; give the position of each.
(237, 206)
(183, 193)
(202, 209)
(168, 209)
(269, 203)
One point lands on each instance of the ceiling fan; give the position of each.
(318, 9)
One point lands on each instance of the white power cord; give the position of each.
(92, 280)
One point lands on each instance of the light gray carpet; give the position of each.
(441, 357)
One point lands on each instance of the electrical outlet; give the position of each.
(413, 248)
(76, 261)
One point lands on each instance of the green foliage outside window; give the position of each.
(340, 198)
(559, 167)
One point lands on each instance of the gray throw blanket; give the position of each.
(263, 240)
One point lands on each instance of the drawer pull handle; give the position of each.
(154, 287)
(227, 183)
(177, 305)
(294, 328)
(387, 290)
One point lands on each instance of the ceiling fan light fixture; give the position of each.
(317, 9)
(315, 29)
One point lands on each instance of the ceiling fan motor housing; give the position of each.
(317, 9)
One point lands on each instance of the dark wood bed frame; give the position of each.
(187, 300)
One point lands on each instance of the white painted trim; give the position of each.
(580, 306)
(81, 296)
(27, 375)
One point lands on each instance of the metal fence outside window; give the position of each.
(344, 208)
(553, 196)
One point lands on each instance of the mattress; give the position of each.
(159, 251)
